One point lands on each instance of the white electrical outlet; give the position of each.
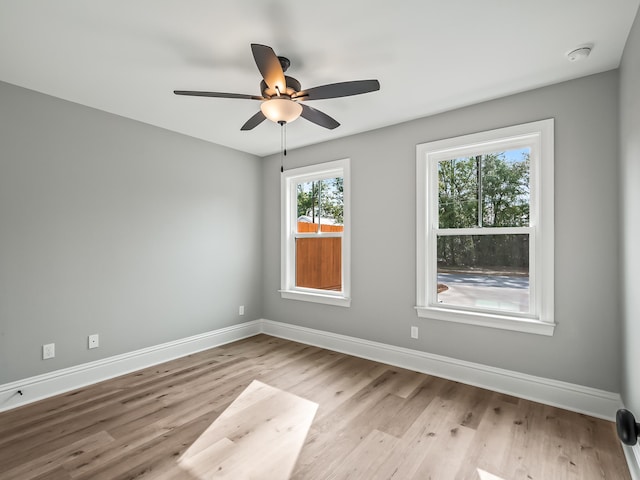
(94, 341)
(48, 351)
(241, 310)
(414, 332)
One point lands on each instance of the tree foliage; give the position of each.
(322, 199)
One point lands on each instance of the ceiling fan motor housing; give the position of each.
(293, 86)
(285, 63)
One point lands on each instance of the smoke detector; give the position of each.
(579, 53)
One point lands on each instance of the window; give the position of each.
(315, 233)
(485, 228)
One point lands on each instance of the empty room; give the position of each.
(336, 240)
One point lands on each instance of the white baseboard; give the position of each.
(577, 398)
(64, 380)
(633, 460)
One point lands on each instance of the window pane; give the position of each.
(320, 205)
(490, 190)
(458, 193)
(484, 271)
(505, 189)
(307, 211)
(319, 263)
(331, 205)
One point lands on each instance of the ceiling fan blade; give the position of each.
(269, 66)
(217, 94)
(318, 117)
(254, 121)
(341, 89)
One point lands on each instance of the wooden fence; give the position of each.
(319, 260)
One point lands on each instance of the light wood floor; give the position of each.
(372, 421)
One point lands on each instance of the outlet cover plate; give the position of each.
(48, 351)
(414, 332)
(94, 341)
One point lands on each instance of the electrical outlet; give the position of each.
(414, 332)
(94, 341)
(241, 310)
(48, 351)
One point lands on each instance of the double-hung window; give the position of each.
(485, 228)
(315, 233)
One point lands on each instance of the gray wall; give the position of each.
(585, 347)
(630, 204)
(115, 227)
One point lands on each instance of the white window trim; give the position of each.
(288, 290)
(541, 272)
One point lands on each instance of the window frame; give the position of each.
(288, 201)
(539, 137)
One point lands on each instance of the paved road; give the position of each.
(505, 281)
(494, 292)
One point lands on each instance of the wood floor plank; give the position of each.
(364, 461)
(45, 464)
(264, 423)
(408, 454)
(153, 456)
(373, 421)
(527, 435)
(304, 372)
(58, 473)
(445, 455)
(493, 436)
(414, 405)
(471, 402)
(335, 435)
(137, 437)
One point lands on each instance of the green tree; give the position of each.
(457, 202)
(307, 198)
(332, 204)
(505, 188)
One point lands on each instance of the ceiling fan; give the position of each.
(282, 95)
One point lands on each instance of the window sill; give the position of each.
(316, 298)
(517, 324)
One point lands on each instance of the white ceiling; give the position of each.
(127, 56)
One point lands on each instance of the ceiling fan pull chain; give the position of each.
(282, 146)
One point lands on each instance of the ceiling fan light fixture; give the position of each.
(281, 109)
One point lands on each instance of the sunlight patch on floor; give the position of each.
(487, 476)
(259, 435)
